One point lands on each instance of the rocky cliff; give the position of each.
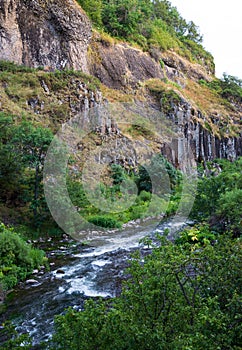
(54, 34)
(57, 35)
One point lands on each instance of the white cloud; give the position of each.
(221, 25)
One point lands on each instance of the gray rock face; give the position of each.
(54, 34)
(121, 66)
(193, 137)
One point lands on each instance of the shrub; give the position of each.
(198, 236)
(145, 196)
(17, 258)
(159, 34)
(175, 298)
(229, 210)
(104, 221)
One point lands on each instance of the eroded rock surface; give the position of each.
(120, 66)
(54, 34)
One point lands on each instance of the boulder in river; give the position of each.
(32, 281)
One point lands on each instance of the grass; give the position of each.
(19, 86)
(115, 96)
(218, 115)
(215, 110)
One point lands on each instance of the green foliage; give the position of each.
(154, 171)
(118, 174)
(229, 210)
(159, 35)
(198, 235)
(94, 10)
(178, 298)
(219, 196)
(145, 196)
(229, 87)
(197, 51)
(17, 258)
(23, 148)
(148, 201)
(58, 80)
(12, 340)
(124, 17)
(149, 24)
(31, 143)
(104, 221)
(6, 66)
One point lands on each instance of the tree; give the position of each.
(123, 17)
(10, 163)
(231, 88)
(192, 33)
(31, 144)
(218, 196)
(94, 10)
(177, 297)
(158, 172)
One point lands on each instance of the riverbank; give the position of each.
(77, 271)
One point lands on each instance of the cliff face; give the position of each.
(47, 33)
(118, 65)
(57, 34)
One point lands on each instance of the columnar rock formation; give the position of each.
(57, 34)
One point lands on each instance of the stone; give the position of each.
(122, 65)
(45, 87)
(53, 34)
(32, 281)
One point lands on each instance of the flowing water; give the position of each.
(80, 272)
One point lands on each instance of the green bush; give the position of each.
(93, 9)
(145, 196)
(229, 87)
(198, 235)
(14, 68)
(218, 196)
(175, 298)
(229, 210)
(104, 221)
(148, 23)
(160, 35)
(17, 258)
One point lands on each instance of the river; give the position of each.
(77, 272)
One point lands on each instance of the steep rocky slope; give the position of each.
(54, 34)
(57, 35)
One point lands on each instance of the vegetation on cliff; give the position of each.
(150, 24)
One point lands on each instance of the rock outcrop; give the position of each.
(54, 34)
(57, 34)
(120, 66)
(203, 143)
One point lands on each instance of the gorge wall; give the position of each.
(58, 35)
(47, 33)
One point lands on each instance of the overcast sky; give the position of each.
(220, 22)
